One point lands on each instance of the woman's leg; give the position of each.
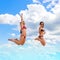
(15, 41)
(22, 39)
(18, 42)
(36, 38)
(42, 41)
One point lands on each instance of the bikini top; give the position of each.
(42, 29)
(24, 27)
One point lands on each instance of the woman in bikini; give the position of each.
(41, 33)
(22, 39)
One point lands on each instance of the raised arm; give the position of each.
(21, 17)
(21, 23)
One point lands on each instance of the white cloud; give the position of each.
(52, 36)
(36, 13)
(51, 4)
(9, 19)
(13, 34)
(49, 1)
(36, 1)
(56, 9)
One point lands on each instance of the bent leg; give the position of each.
(37, 39)
(42, 41)
(18, 42)
(15, 41)
(22, 40)
(12, 40)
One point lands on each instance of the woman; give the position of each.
(22, 39)
(41, 33)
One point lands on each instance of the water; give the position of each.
(31, 50)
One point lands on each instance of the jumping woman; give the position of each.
(22, 39)
(41, 33)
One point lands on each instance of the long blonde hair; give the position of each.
(22, 22)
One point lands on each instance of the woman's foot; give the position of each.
(10, 39)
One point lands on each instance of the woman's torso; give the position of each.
(41, 31)
(23, 30)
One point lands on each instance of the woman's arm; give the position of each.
(21, 23)
(39, 30)
(21, 17)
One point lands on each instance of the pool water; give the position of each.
(31, 50)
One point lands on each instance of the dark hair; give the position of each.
(41, 22)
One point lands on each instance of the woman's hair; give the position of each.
(23, 23)
(41, 22)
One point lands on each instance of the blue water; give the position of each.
(31, 50)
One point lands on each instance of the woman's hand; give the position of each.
(21, 16)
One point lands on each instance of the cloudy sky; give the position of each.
(33, 11)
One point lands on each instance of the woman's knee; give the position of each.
(21, 42)
(43, 43)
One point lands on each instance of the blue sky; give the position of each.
(13, 6)
(33, 11)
